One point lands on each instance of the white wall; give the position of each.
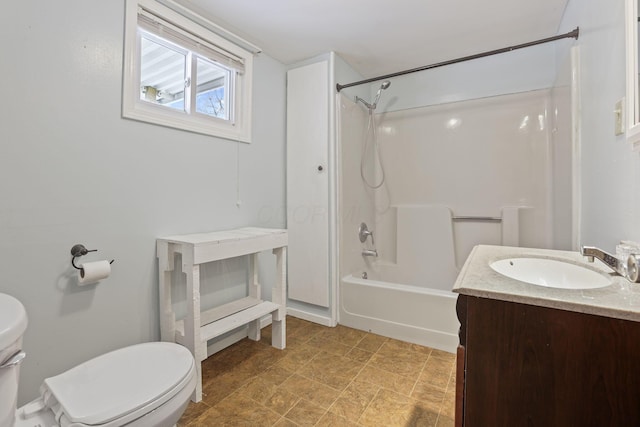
(73, 171)
(610, 170)
(517, 71)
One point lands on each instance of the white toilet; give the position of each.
(144, 385)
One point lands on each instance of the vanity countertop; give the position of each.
(620, 300)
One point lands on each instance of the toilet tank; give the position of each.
(13, 323)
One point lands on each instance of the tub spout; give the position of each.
(370, 252)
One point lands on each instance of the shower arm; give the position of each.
(374, 104)
(369, 106)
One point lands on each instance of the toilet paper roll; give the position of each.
(91, 272)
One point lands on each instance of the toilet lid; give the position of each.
(117, 383)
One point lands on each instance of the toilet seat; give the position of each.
(118, 387)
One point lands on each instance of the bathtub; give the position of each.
(419, 315)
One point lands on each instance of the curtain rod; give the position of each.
(573, 34)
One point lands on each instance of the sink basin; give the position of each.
(550, 273)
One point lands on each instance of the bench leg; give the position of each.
(279, 330)
(254, 330)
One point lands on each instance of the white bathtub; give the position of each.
(409, 313)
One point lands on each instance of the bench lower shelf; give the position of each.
(226, 324)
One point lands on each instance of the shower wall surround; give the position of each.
(490, 157)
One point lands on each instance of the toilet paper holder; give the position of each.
(79, 250)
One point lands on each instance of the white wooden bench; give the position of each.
(198, 326)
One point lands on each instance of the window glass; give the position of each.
(162, 73)
(212, 89)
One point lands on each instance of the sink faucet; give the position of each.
(612, 262)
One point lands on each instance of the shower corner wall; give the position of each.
(491, 157)
(477, 158)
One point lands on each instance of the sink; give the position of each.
(551, 273)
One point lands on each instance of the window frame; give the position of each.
(237, 128)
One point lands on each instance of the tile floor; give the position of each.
(325, 377)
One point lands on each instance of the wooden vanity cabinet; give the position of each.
(525, 365)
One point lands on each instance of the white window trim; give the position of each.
(134, 108)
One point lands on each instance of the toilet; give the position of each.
(143, 385)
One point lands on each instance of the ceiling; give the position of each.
(378, 37)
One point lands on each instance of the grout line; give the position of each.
(368, 405)
(424, 365)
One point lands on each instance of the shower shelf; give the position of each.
(198, 326)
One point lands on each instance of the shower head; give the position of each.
(374, 104)
(385, 85)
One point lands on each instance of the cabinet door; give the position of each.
(537, 366)
(308, 184)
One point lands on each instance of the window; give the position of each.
(180, 74)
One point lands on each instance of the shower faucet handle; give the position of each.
(364, 232)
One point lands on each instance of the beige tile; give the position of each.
(333, 420)
(445, 421)
(298, 332)
(430, 395)
(238, 409)
(448, 407)
(442, 363)
(347, 336)
(437, 372)
(441, 354)
(354, 400)
(328, 377)
(388, 380)
(401, 364)
(297, 341)
(295, 323)
(452, 380)
(302, 328)
(258, 389)
(285, 423)
(310, 390)
(305, 413)
(264, 359)
(281, 401)
(393, 347)
(296, 358)
(423, 417)
(371, 342)
(246, 360)
(335, 371)
(391, 409)
(265, 335)
(227, 360)
(194, 410)
(321, 343)
(207, 419)
(359, 355)
(223, 386)
(275, 375)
